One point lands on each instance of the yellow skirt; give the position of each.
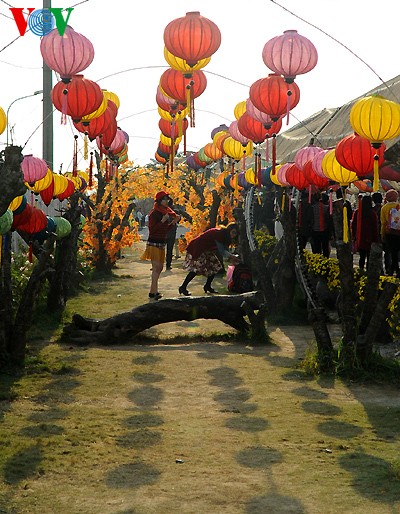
(153, 253)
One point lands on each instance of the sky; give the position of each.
(128, 35)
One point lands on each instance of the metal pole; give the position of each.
(9, 107)
(47, 147)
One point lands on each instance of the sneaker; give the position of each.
(168, 268)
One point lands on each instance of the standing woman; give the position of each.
(161, 219)
(201, 258)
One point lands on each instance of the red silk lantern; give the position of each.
(160, 159)
(173, 129)
(289, 55)
(34, 221)
(296, 177)
(192, 37)
(47, 194)
(68, 54)
(177, 86)
(274, 96)
(356, 153)
(251, 128)
(68, 191)
(107, 136)
(118, 142)
(198, 161)
(78, 98)
(312, 177)
(97, 126)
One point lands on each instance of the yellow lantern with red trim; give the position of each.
(236, 150)
(181, 65)
(377, 119)
(274, 176)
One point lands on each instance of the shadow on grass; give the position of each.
(139, 439)
(340, 429)
(274, 503)
(258, 457)
(41, 430)
(143, 420)
(372, 477)
(131, 476)
(225, 376)
(146, 396)
(309, 392)
(324, 409)
(22, 465)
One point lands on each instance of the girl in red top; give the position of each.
(201, 258)
(364, 229)
(161, 220)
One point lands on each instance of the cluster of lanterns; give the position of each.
(259, 118)
(190, 42)
(93, 110)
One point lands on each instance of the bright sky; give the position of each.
(128, 34)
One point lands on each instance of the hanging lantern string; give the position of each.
(90, 184)
(341, 44)
(75, 159)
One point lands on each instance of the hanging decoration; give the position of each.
(33, 169)
(192, 38)
(68, 54)
(376, 119)
(290, 55)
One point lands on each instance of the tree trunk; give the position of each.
(11, 177)
(372, 287)
(229, 309)
(285, 276)
(214, 208)
(365, 342)
(63, 280)
(317, 318)
(23, 318)
(6, 315)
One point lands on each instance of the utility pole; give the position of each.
(47, 147)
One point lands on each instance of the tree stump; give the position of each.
(230, 309)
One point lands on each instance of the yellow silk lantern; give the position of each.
(239, 109)
(274, 176)
(165, 115)
(181, 65)
(334, 171)
(250, 176)
(3, 120)
(165, 140)
(236, 150)
(60, 184)
(84, 175)
(41, 184)
(16, 203)
(377, 119)
(111, 96)
(98, 112)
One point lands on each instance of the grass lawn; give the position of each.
(189, 419)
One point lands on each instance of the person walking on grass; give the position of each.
(201, 257)
(390, 231)
(161, 219)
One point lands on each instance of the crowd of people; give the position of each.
(371, 219)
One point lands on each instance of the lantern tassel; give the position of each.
(90, 183)
(309, 193)
(289, 94)
(273, 154)
(64, 107)
(85, 147)
(359, 222)
(184, 143)
(345, 224)
(75, 157)
(376, 172)
(171, 158)
(283, 201)
(267, 150)
(331, 203)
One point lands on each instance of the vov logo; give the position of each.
(41, 21)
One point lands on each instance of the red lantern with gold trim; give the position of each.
(355, 153)
(192, 37)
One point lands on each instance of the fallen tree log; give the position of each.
(230, 309)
